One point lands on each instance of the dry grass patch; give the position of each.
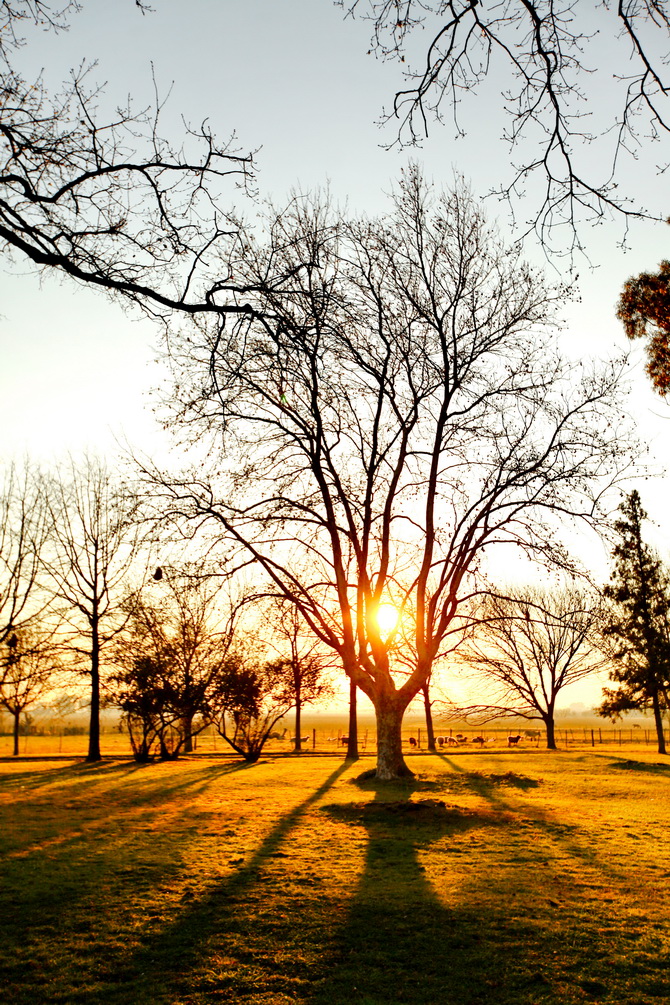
(510, 878)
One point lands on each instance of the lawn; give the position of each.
(515, 877)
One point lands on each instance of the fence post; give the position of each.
(313, 739)
(593, 739)
(419, 740)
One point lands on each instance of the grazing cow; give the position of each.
(461, 737)
(451, 741)
(441, 740)
(412, 741)
(513, 741)
(479, 740)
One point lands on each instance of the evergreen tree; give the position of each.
(640, 622)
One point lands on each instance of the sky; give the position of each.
(295, 83)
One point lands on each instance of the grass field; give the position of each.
(514, 877)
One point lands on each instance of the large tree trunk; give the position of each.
(425, 690)
(17, 716)
(658, 721)
(390, 762)
(352, 742)
(94, 726)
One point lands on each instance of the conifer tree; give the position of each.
(640, 623)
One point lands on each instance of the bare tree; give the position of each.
(96, 543)
(530, 644)
(302, 662)
(551, 59)
(405, 411)
(29, 662)
(24, 530)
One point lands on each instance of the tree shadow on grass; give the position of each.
(653, 768)
(400, 944)
(177, 959)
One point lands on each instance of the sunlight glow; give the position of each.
(387, 618)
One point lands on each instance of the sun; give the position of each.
(387, 618)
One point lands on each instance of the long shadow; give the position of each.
(403, 945)
(400, 944)
(169, 957)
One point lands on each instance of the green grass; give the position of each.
(516, 877)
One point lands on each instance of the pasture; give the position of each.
(495, 878)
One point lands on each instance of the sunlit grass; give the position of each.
(511, 878)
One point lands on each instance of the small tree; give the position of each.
(251, 703)
(29, 661)
(530, 644)
(174, 659)
(638, 630)
(24, 530)
(96, 544)
(303, 666)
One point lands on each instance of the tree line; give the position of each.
(177, 648)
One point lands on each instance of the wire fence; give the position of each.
(115, 742)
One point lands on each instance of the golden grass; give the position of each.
(518, 877)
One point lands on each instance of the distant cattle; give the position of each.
(513, 741)
(532, 734)
(412, 741)
(451, 741)
(479, 740)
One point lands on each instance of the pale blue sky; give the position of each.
(293, 79)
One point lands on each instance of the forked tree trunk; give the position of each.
(352, 742)
(390, 762)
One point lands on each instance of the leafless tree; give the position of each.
(404, 412)
(552, 59)
(530, 644)
(29, 661)
(96, 544)
(24, 529)
(303, 659)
